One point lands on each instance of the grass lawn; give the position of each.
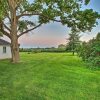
(48, 76)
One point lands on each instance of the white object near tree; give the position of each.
(5, 49)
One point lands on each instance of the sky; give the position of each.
(53, 34)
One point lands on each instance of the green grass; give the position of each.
(48, 76)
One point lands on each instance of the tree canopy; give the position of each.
(65, 11)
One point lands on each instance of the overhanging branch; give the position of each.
(29, 30)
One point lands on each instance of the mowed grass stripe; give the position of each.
(48, 76)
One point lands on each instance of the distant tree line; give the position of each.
(61, 48)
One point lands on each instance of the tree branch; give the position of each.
(6, 27)
(29, 30)
(18, 3)
(27, 14)
(5, 33)
(9, 18)
(36, 13)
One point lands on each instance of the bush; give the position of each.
(36, 51)
(90, 51)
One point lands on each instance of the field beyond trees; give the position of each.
(48, 76)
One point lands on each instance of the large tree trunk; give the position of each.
(14, 40)
(14, 37)
(15, 50)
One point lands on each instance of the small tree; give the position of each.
(73, 42)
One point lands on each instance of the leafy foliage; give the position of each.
(90, 51)
(24, 24)
(65, 11)
(73, 42)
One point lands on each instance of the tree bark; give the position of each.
(14, 40)
(14, 37)
(15, 50)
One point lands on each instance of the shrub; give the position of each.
(90, 51)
